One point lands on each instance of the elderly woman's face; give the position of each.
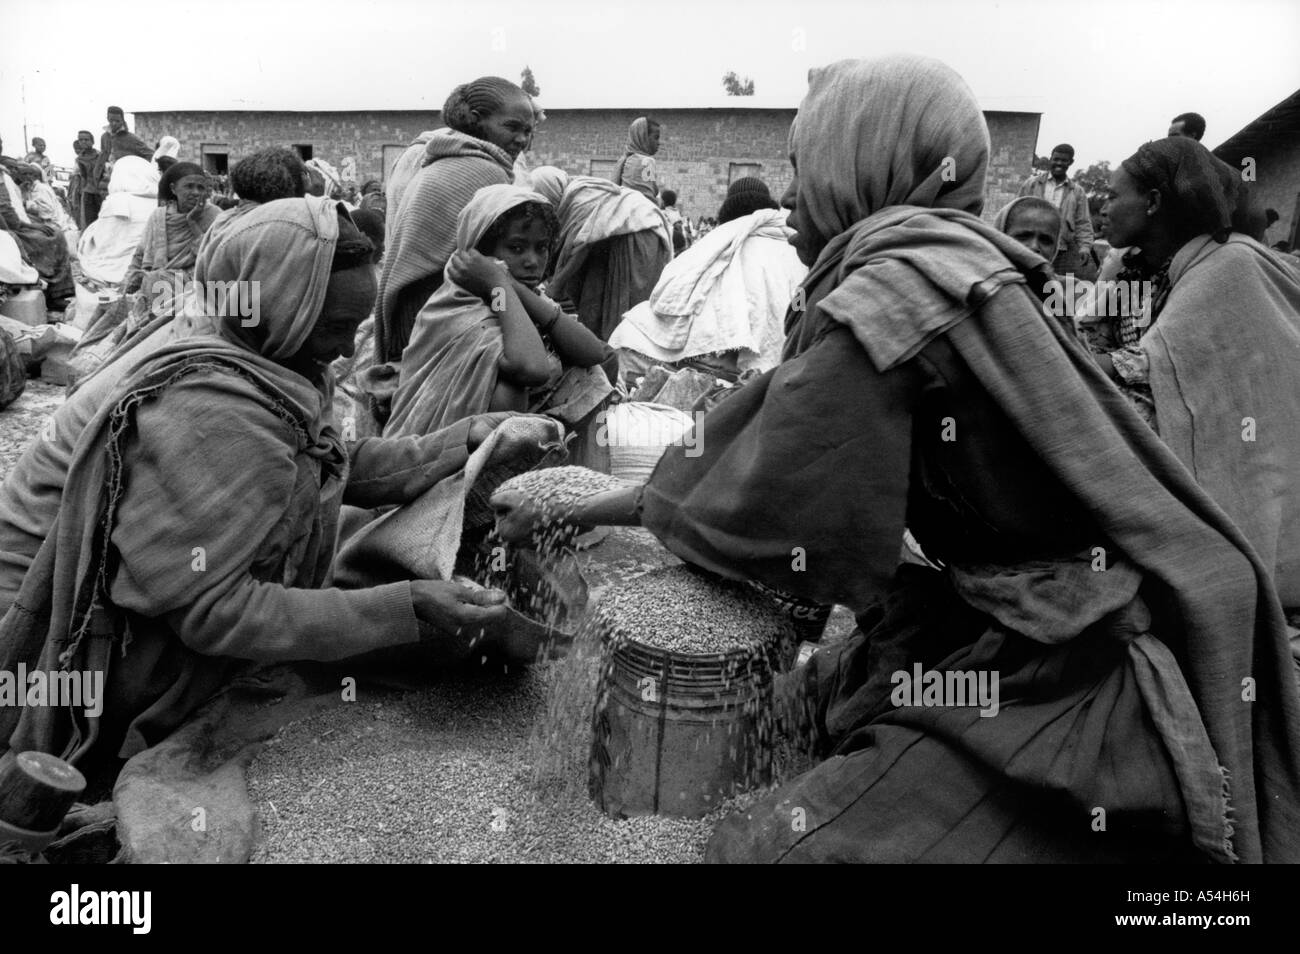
(191, 191)
(1128, 210)
(510, 127)
(348, 302)
(802, 229)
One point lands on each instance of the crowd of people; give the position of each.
(1106, 497)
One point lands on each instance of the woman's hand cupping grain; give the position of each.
(450, 606)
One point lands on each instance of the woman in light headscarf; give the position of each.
(920, 386)
(162, 267)
(720, 305)
(469, 355)
(169, 249)
(197, 519)
(167, 154)
(614, 245)
(636, 170)
(108, 244)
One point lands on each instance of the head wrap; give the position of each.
(550, 183)
(1031, 201)
(174, 174)
(488, 205)
(745, 196)
(897, 130)
(134, 176)
(168, 146)
(638, 138)
(328, 173)
(371, 225)
(287, 248)
(1200, 192)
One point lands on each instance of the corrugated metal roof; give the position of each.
(1282, 120)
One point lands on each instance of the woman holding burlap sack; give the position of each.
(196, 524)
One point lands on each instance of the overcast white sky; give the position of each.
(1106, 75)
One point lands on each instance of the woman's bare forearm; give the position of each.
(613, 508)
(574, 343)
(523, 356)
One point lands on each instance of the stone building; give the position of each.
(1270, 146)
(702, 150)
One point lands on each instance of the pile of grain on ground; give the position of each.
(440, 775)
(448, 773)
(682, 611)
(22, 420)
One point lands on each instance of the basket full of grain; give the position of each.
(683, 714)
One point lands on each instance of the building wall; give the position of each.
(1013, 137)
(698, 151)
(698, 148)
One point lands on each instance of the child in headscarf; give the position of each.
(489, 339)
(636, 170)
(1033, 222)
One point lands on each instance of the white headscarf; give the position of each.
(168, 146)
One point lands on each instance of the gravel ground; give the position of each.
(22, 420)
(440, 775)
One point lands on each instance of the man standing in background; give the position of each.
(74, 185)
(88, 169)
(1075, 238)
(1191, 125)
(116, 142)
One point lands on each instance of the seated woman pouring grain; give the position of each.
(198, 510)
(1117, 607)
